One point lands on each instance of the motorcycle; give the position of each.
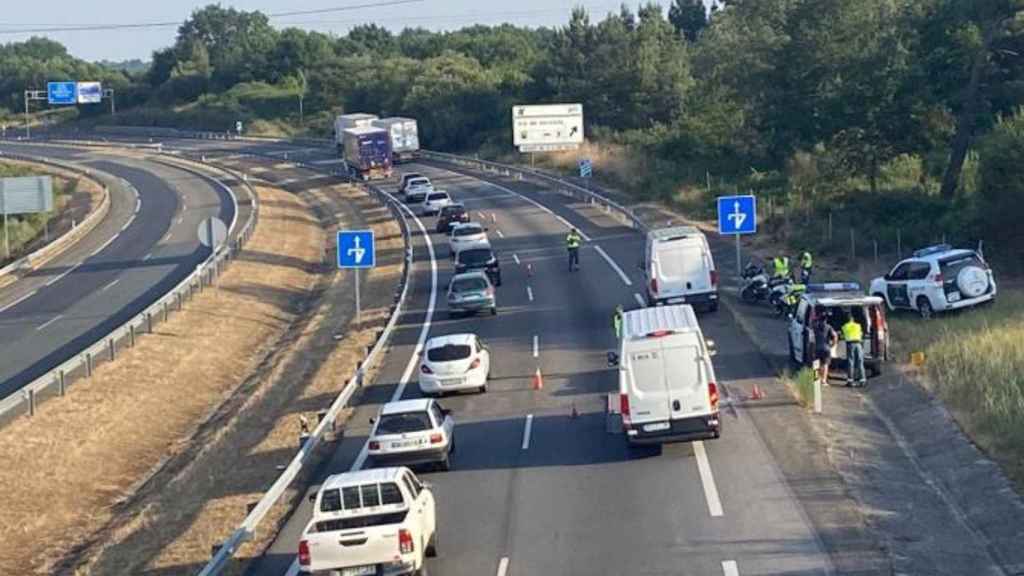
(787, 302)
(755, 284)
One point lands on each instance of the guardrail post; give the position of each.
(131, 335)
(62, 385)
(180, 299)
(166, 313)
(30, 395)
(149, 322)
(113, 348)
(88, 364)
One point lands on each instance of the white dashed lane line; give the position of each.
(529, 293)
(516, 258)
(639, 299)
(730, 568)
(503, 566)
(50, 321)
(536, 346)
(526, 431)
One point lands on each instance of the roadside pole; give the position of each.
(356, 249)
(817, 396)
(359, 310)
(739, 258)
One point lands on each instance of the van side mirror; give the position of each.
(613, 359)
(373, 421)
(446, 411)
(312, 497)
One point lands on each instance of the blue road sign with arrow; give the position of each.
(356, 249)
(586, 168)
(61, 92)
(737, 215)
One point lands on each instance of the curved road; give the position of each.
(145, 246)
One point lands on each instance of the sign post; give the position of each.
(356, 250)
(737, 215)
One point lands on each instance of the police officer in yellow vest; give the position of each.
(572, 242)
(617, 321)
(781, 264)
(806, 263)
(853, 335)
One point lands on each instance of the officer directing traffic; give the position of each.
(572, 242)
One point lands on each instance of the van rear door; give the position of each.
(682, 268)
(684, 374)
(649, 400)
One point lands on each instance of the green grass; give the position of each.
(803, 384)
(974, 360)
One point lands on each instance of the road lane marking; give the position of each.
(494, 217)
(614, 266)
(483, 217)
(500, 235)
(529, 293)
(101, 248)
(538, 205)
(707, 479)
(729, 568)
(110, 285)
(50, 321)
(516, 258)
(526, 431)
(18, 301)
(180, 218)
(503, 566)
(536, 346)
(639, 298)
(69, 271)
(147, 256)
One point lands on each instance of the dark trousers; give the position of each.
(574, 258)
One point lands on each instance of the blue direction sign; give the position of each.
(737, 215)
(61, 92)
(356, 249)
(586, 168)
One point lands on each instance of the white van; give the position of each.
(680, 268)
(667, 386)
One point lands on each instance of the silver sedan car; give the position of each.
(471, 292)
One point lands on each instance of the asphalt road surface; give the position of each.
(146, 245)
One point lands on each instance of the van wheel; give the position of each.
(431, 549)
(924, 307)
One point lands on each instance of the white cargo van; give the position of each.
(680, 268)
(667, 386)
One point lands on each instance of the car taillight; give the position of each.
(654, 285)
(303, 553)
(475, 364)
(938, 278)
(624, 406)
(714, 277)
(436, 438)
(374, 445)
(405, 542)
(490, 291)
(426, 369)
(713, 394)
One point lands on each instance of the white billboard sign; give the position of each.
(547, 125)
(90, 92)
(26, 195)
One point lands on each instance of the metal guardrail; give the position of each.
(248, 527)
(107, 346)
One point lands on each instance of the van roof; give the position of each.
(368, 476)
(365, 130)
(640, 324)
(673, 232)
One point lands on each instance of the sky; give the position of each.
(140, 43)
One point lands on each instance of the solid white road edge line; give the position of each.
(516, 258)
(529, 293)
(536, 346)
(500, 235)
(614, 266)
(293, 569)
(503, 566)
(538, 205)
(147, 256)
(526, 431)
(639, 298)
(100, 249)
(706, 478)
(48, 322)
(111, 284)
(18, 301)
(729, 568)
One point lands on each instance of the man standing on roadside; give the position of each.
(853, 335)
(825, 339)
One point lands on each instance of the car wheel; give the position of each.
(924, 307)
(431, 548)
(482, 389)
(446, 464)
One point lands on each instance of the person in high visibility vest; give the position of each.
(617, 321)
(853, 335)
(572, 242)
(781, 264)
(806, 264)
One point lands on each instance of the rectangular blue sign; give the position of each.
(586, 168)
(737, 215)
(61, 92)
(356, 249)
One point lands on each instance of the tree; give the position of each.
(239, 43)
(1002, 184)
(688, 17)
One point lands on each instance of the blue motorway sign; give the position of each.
(586, 168)
(737, 215)
(61, 92)
(356, 249)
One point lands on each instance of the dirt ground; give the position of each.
(67, 470)
(171, 529)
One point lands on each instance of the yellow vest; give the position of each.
(573, 241)
(852, 332)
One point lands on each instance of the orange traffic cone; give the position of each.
(538, 380)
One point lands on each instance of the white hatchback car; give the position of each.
(410, 432)
(936, 279)
(435, 201)
(454, 363)
(468, 235)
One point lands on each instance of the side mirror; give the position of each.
(710, 343)
(446, 411)
(312, 497)
(373, 421)
(613, 359)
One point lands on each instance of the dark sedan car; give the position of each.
(482, 258)
(450, 215)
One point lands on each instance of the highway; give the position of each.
(146, 245)
(535, 490)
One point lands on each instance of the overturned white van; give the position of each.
(667, 386)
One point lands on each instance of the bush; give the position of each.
(1001, 183)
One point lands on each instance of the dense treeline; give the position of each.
(802, 98)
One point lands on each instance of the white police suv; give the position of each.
(936, 279)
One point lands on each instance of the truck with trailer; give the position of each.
(345, 121)
(405, 139)
(367, 153)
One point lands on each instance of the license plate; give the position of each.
(656, 427)
(359, 571)
(679, 300)
(405, 443)
(953, 296)
(452, 382)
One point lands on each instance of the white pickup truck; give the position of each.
(378, 522)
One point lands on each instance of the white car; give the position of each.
(412, 432)
(936, 279)
(412, 179)
(454, 363)
(468, 235)
(377, 521)
(435, 201)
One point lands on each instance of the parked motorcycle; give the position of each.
(786, 303)
(755, 284)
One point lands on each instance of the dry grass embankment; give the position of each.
(171, 531)
(67, 469)
(974, 362)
